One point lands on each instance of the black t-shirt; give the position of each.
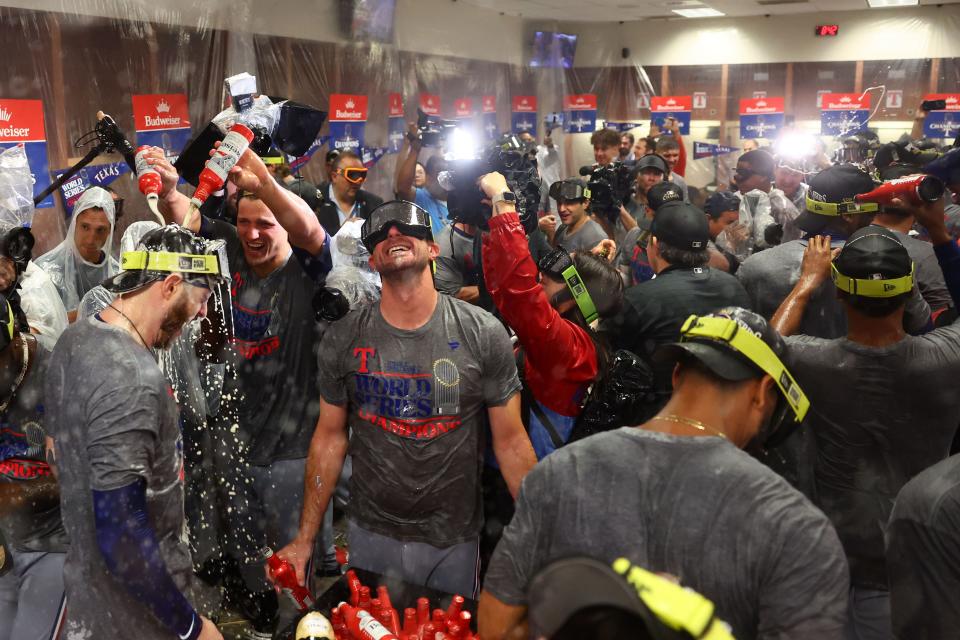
(274, 348)
(923, 555)
(32, 526)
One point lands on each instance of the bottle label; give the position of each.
(140, 161)
(372, 629)
(227, 154)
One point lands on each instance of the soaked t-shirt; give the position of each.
(417, 404)
(274, 349)
(111, 413)
(584, 239)
(36, 525)
(696, 508)
(879, 416)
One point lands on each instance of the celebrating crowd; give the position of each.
(745, 392)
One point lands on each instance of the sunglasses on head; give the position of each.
(354, 175)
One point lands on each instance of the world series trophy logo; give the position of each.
(491, 130)
(396, 139)
(760, 127)
(580, 123)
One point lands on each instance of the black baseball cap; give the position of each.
(682, 226)
(663, 193)
(835, 185)
(652, 161)
(721, 201)
(874, 253)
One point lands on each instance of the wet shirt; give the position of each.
(923, 555)
(274, 349)
(35, 526)
(417, 404)
(111, 413)
(879, 416)
(928, 275)
(696, 508)
(456, 264)
(584, 239)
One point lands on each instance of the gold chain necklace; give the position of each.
(691, 423)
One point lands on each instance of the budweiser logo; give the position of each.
(488, 103)
(348, 115)
(5, 115)
(163, 106)
(671, 102)
(761, 103)
(429, 102)
(845, 99)
(524, 102)
(580, 100)
(349, 104)
(160, 121)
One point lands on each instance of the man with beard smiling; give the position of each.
(415, 376)
(118, 448)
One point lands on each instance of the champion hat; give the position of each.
(831, 194)
(682, 226)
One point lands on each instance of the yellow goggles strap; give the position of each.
(172, 262)
(679, 608)
(9, 325)
(755, 349)
(580, 294)
(873, 288)
(841, 208)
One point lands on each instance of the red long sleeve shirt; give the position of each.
(561, 359)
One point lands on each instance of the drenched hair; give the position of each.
(760, 161)
(605, 138)
(345, 155)
(666, 143)
(682, 257)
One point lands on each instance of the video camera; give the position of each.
(610, 187)
(432, 131)
(509, 157)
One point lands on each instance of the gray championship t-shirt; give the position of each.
(586, 237)
(456, 267)
(769, 276)
(417, 405)
(111, 413)
(696, 508)
(34, 525)
(878, 416)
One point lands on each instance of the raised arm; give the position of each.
(407, 169)
(814, 271)
(173, 205)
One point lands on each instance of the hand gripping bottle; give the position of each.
(148, 181)
(224, 158)
(362, 625)
(916, 190)
(285, 576)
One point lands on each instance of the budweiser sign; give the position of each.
(163, 111)
(761, 106)
(348, 108)
(844, 101)
(396, 105)
(952, 100)
(525, 104)
(580, 102)
(21, 121)
(671, 103)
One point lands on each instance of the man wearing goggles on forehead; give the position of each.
(118, 446)
(415, 377)
(343, 197)
(741, 535)
(577, 231)
(881, 408)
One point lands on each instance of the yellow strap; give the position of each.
(873, 288)
(729, 331)
(10, 323)
(172, 262)
(841, 208)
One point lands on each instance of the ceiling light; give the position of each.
(878, 4)
(703, 12)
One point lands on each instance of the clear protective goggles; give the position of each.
(754, 349)
(410, 219)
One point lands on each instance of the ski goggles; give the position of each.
(207, 269)
(410, 219)
(558, 266)
(728, 332)
(840, 208)
(568, 190)
(354, 175)
(873, 288)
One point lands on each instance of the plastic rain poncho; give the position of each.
(71, 274)
(41, 303)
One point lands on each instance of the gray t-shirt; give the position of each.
(929, 276)
(769, 276)
(417, 412)
(586, 237)
(697, 508)
(456, 267)
(112, 416)
(878, 417)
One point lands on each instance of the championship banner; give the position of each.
(318, 144)
(99, 175)
(703, 150)
(843, 113)
(348, 120)
(463, 108)
(761, 117)
(944, 123)
(162, 120)
(622, 127)
(21, 122)
(430, 104)
(396, 127)
(676, 107)
(489, 117)
(524, 115)
(580, 113)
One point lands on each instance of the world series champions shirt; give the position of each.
(416, 402)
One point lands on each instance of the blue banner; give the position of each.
(622, 127)
(840, 123)
(942, 124)
(172, 141)
(762, 125)
(347, 136)
(524, 122)
(297, 163)
(39, 168)
(92, 176)
(706, 150)
(396, 132)
(682, 118)
(580, 121)
(489, 125)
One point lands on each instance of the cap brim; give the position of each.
(127, 281)
(574, 584)
(720, 360)
(811, 222)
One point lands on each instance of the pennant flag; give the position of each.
(99, 175)
(371, 156)
(318, 144)
(622, 127)
(706, 150)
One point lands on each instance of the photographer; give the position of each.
(578, 232)
(431, 197)
(562, 356)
